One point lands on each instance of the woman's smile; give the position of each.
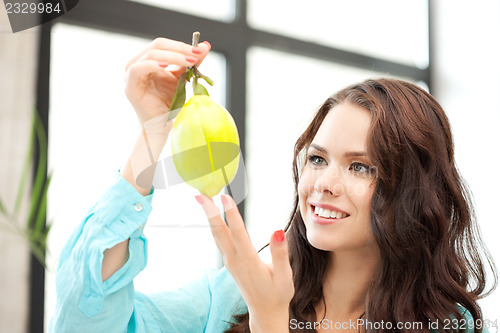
(327, 214)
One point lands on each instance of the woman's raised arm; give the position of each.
(94, 285)
(150, 83)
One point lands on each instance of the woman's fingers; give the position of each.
(282, 271)
(169, 58)
(236, 225)
(262, 286)
(232, 239)
(220, 231)
(138, 70)
(162, 44)
(171, 46)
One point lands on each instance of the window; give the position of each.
(222, 10)
(270, 73)
(388, 29)
(85, 157)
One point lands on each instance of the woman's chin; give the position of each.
(320, 241)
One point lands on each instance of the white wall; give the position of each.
(466, 82)
(17, 99)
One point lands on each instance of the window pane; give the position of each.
(389, 29)
(221, 10)
(284, 91)
(92, 130)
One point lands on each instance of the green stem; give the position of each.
(192, 72)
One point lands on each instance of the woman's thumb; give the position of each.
(279, 255)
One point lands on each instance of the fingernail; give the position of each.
(197, 50)
(225, 202)
(163, 65)
(208, 206)
(279, 236)
(199, 198)
(209, 45)
(191, 59)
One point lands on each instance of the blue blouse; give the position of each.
(86, 304)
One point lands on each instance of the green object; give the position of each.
(34, 229)
(205, 145)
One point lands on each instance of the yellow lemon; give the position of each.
(205, 145)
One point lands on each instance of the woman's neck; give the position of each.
(346, 284)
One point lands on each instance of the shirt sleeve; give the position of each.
(466, 322)
(84, 302)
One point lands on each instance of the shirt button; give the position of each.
(138, 207)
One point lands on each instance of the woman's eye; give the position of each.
(315, 159)
(361, 168)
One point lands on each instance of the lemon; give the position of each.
(205, 145)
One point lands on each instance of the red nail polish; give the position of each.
(191, 59)
(199, 198)
(279, 236)
(197, 50)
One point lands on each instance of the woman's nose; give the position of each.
(329, 182)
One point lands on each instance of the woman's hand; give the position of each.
(149, 84)
(266, 288)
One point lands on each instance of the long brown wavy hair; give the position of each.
(433, 261)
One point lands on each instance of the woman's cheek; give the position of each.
(360, 188)
(303, 189)
(306, 184)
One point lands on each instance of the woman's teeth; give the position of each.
(328, 213)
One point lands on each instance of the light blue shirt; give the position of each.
(86, 304)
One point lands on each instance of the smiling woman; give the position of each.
(382, 228)
(408, 250)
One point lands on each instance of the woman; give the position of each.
(381, 238)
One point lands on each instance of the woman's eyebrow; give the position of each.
(347, 154)
(317, 147)
(355, 153)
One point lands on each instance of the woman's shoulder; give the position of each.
(468, 322)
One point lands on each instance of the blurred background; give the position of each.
(273, 62)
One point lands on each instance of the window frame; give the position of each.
(233, 39)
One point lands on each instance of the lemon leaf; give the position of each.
(199, 89)
(180, 93)
(190, 74)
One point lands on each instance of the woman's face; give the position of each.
(337, 182)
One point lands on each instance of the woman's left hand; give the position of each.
(266, 288)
